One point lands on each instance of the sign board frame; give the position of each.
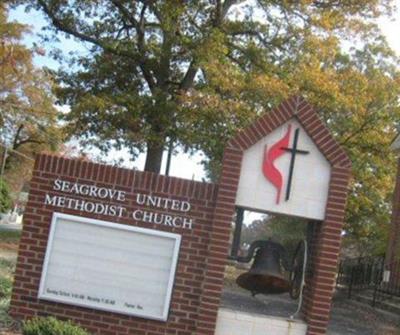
(112, 225)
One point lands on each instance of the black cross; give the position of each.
(293, 151)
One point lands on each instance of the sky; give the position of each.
(183, 165)
(391, 29)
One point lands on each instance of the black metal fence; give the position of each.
(389, 286)
(372, 275)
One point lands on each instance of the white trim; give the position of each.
(56, 216)
(232, 322)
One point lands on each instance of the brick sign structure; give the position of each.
(76, 261)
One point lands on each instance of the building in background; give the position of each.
(393, 252)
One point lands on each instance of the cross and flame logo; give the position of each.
(271, 172)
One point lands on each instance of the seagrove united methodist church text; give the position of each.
(108, 194)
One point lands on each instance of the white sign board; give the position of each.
(109, 266)
(265, 183)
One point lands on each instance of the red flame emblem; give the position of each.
(269, 169)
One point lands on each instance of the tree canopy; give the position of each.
(194, 72)
(286, 230)
(28, 118)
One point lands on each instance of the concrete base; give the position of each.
(232, 322)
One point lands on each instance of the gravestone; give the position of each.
(127, 252)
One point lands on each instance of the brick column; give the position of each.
(224, 211)
(219, 242)
(325, 255)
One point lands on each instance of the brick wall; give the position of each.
(190, 275)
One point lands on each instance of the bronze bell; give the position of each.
(268, 271)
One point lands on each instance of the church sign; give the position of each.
(124, 252)
(101, 242)
(109, 266)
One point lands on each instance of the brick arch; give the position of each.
(299, 108)
(327, 233)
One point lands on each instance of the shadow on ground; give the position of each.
(348, 317)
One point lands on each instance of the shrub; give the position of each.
(5, 197)
(51, 326)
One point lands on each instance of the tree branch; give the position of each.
(222, 9)
(188, 79)
(68, 30)
(28, 140)
(125, 13)
(140, 30)
(60, 26)
(227, 5)
(15, 142)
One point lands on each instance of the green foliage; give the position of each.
(10, 236)
(7, 268)
(51, 326)
(286, 230)
(5, 197)
(290, 231)
(28, 118)
(199, 71)
(6, 282)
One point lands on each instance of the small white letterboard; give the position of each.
(109, 266)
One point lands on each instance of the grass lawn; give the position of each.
(8, 258)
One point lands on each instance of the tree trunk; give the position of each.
(154, 157)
